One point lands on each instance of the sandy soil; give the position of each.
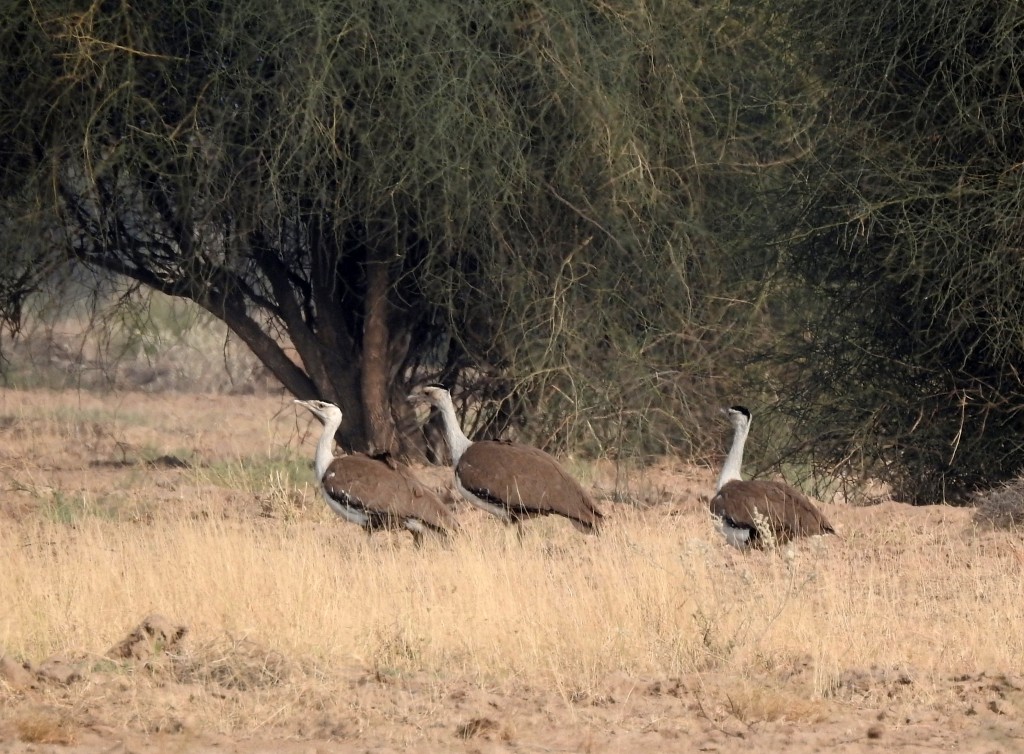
(629, 715)
(75, 703)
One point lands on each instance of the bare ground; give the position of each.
(372, 714)
(154, 691)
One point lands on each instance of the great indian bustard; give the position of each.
(510, 480)
(748, 511)
(374, 491)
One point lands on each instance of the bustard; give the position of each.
(510, 480)
(374, 491)
(746, 511)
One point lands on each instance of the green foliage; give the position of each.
(126, 338)
(589, 218)
(907, 240)
(550, 187)
(256, 475)
(65, 508)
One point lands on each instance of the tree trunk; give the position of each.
(380, 425)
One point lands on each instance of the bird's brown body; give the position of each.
(383, 495)
(759, 513)
(761, 506)
(512, 481)
(518, 482)
(374, 492)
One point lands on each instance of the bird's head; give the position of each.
(739, 416)
(433, 394)
(322, 410)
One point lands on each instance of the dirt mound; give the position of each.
(1000, 693)
(155, 635)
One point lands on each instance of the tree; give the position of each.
(907, 239)
(521, 197)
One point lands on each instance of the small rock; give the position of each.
(875, 731)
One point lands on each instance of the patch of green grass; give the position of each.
(78, 416)
(278, 484)
(257, 474)
(69, 508)
(107, 665)
(78, 423)
(33, 377)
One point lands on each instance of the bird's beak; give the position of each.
(414, 398)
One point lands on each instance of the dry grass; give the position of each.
(643, 599)
(278, 597)
(1001, 507)
(44, 726)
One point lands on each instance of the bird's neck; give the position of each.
(733, 461)
(457, 440)
(324, 448)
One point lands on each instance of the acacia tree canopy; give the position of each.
(516, 196)
(593, 219)
(907, 240)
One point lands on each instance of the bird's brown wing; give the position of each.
(424, 504)
(786, 510)
(373, 486)
(526, 481)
